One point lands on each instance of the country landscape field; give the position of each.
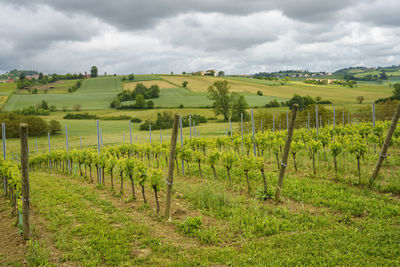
(204, 134)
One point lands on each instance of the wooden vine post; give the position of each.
(25, 180)
(286, 153)
(385, 146)
(170, 178)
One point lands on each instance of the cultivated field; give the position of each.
(336, 94)
(323, 219)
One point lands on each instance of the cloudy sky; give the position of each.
(160, 36)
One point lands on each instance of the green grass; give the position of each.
(88, 101)
(100, 85)
(339, 95)
(96, 93)
(389, 74)
(6, 88)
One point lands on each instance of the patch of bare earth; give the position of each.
(13, 248)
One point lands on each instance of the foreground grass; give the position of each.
(320, 222)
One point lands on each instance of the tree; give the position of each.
(396, 91)
(150, 104)
(221, 73)
(54, 127)
(239, 106)
(383, 75)
(40, 76)
(115, 103)
(317, 99)
(93, 72)
(360, 99)
(219, 93)
(44, 105)
(140, 102)
(22, 76)
(185, 83)
(131, 77)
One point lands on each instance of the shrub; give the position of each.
(53, 108)
(137, 120)
(54, 127)
(165, 121)
(36, 125)
(77, 116)
(115, 103)
(116, 118)
(272, 104)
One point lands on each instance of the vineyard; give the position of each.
(224, 187)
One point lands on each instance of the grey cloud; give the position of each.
(169, 35)
(134, 15)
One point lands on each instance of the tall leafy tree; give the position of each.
(239, 106)
(220, 94)
(396, 90)
(93, 71)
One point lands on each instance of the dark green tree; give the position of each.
(44, 105)
(93, 71)
(239, 106)
(54, 127)
(220, 94)
(396, 90)
(131, 77)
(140, 102)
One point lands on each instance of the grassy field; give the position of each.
(336, 94)
(325, 219)
(94, 93)
(99, 92)
(6, 88)
(60, 87)
(389, 74)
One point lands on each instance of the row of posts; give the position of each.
(318, 121)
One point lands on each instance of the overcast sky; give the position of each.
(160, 36)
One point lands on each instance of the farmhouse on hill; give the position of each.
(211, 72)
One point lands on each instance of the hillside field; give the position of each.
(98, 93)
(336, 94)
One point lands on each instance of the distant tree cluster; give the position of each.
(302, 101)
(395, 96)
(165, 120)
(77, 85)
(348, 83)
(140, 89)
(131, 77)
(37, 126)
(140, 103)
